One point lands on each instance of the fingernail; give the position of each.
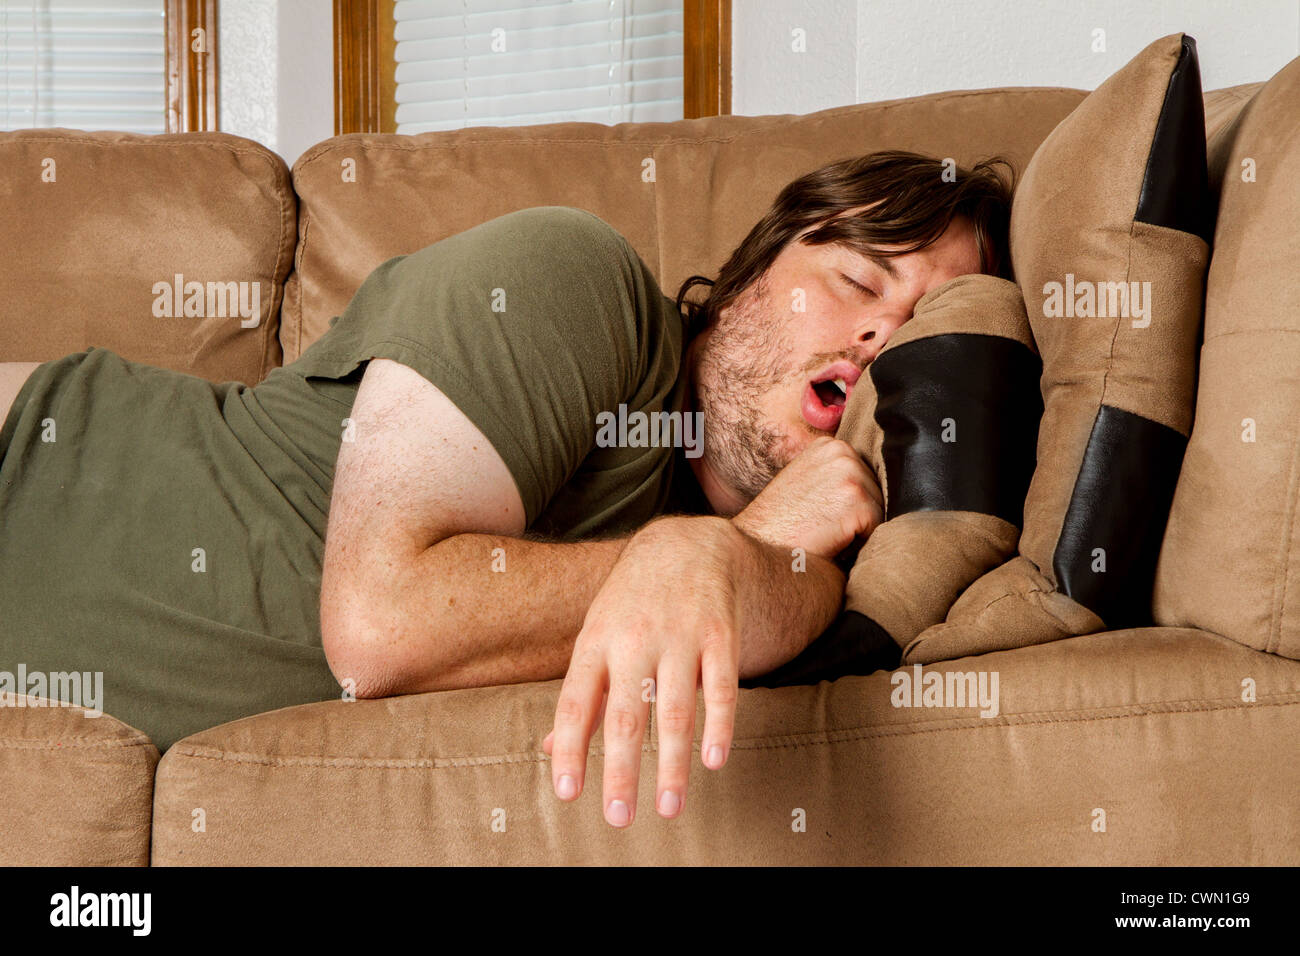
(566, 788)
(669, 803)
(617, 814)
(715, 756)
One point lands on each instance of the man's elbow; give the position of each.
(352, 652)
(367, 657)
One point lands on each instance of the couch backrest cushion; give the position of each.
(1222, 106)
(96, 228)
(684, 193)
(1230, 562)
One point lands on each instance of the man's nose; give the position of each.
(874, 334)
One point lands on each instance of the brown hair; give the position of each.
(911, 202)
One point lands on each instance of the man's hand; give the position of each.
(670, 616)
(823, 499)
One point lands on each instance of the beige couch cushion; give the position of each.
(74, 790)
(92, 221)
(684, 193)
(1222, 106)
(1231, 556)
(1149, 727)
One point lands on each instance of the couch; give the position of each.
(1125, 747)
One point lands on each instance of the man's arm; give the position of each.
(428, 586)
(426, 582)
(12, 377)
(782, 602)
(706, 603)
(452, 623)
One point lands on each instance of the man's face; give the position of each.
(775, 371)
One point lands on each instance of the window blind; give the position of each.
(518, 62)
(83, 64)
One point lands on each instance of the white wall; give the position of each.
(305, 75)
(276, 65)
(277, 72)
(860, 51)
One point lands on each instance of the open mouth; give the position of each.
(825, 396)
(832, 392)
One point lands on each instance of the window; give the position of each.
(514, 62)
(412, 66)
(85, 64)
(141, 66)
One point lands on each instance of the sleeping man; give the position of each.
(456, 485)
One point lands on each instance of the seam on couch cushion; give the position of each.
(260, 152)
(1289, 514)
(1224, 335)
(817, 738)
(300, 254)
(82, 743)
(776, 120)
(277, 301)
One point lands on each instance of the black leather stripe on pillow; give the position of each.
(1120, 505)
(853, 644)
(982, 391)
(1176, 185)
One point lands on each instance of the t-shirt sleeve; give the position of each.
(531, 323)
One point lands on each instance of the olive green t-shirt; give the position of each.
(533, 324)
(168, 533)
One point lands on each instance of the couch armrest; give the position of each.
(74, 790)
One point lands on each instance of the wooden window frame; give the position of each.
(707, 47)
(365, 90)
(191, 77)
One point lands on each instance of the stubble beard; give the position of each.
(743, 359)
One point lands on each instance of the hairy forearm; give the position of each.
(476, 610)
(479, 610)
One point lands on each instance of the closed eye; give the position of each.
(858, 285)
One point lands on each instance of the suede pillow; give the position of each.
(1109, 242)
(1230, 562)
(946, 416)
